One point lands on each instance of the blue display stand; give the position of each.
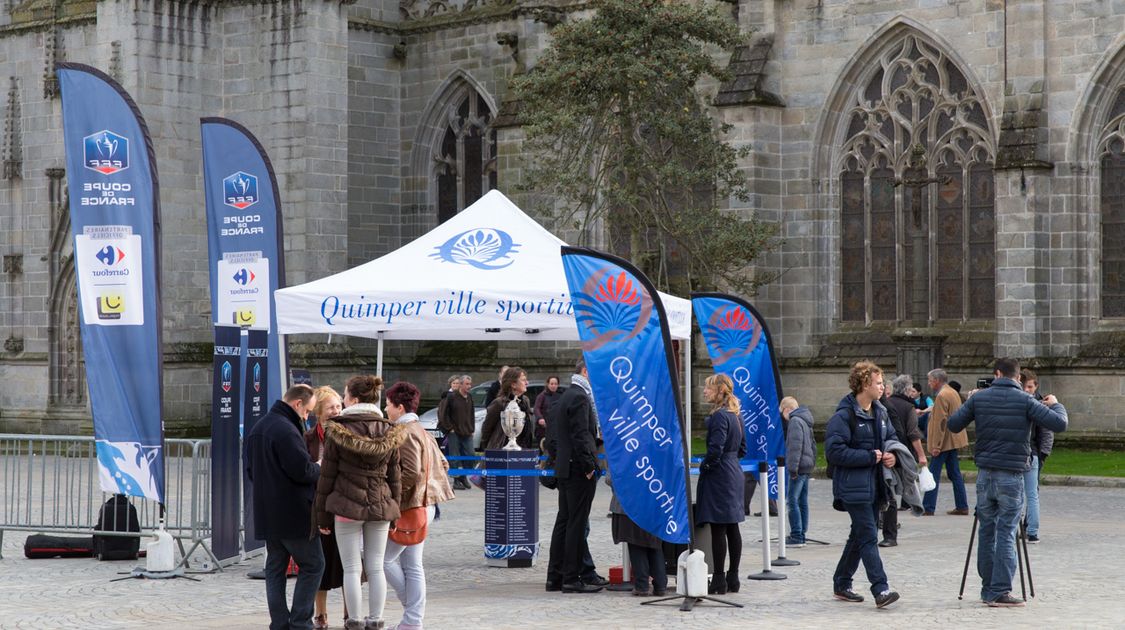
(511, 510)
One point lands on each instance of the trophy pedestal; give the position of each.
(511, 509)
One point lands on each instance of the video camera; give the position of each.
(984, 383)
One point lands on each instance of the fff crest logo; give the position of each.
(483, 248)
(613, 308)
(105, 152)
(244, 276)
(240, 190)
(226, 379)
(257, 377)
(110, 255)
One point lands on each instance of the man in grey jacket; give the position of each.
(1004, 414)
(800, 458)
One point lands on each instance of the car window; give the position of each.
(479, 393)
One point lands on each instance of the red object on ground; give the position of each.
(616, 575)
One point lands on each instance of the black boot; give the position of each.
(718, 584)
(732, 581)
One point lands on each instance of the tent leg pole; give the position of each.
(687, 394)
(379, 357)
(281, 364)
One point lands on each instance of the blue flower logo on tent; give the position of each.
(731, 332)
(612, 308)
(483, 248)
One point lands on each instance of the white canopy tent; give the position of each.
(490, 272)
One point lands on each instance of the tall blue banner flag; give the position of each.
(244, 232)
(115, 223)
(254, 406)
(625, 341)
(225, 442)
(741, 347)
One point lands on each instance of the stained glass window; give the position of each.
(1113, 211)
(916, 101)
(465, 161)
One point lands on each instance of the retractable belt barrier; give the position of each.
(485, 472)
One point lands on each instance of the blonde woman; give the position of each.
(424, 484)
(720, 482)
(327, 405)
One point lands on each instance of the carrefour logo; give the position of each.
(244, 276)
(240, 190)
(106, 152)
(110, 255)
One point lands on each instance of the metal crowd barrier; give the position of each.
(49, 483)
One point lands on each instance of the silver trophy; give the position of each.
(511, 421)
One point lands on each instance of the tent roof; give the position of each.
(490, 272)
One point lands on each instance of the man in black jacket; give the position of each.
(571, 427)
(284, 479)
(1004, 414)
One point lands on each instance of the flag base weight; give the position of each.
(689, 601)
(766, 575)
(786, 562)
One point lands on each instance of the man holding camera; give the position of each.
(1005, 415)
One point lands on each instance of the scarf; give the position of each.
(584, 384)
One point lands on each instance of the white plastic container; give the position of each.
(160, 555)
(691, 577)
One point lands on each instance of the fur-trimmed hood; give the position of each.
(369, 446)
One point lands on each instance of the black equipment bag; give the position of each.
(40, 546)
(117, 515)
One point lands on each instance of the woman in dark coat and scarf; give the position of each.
(513, 384)
(720, 482)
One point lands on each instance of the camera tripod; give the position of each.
(1022, 559)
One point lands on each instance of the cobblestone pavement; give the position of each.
(1077, 572)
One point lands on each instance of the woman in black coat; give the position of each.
(513, 385)
(720, 482)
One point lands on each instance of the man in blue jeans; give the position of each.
(800, 458)
(943, 444)
(1005, 415)
(855, 444)
(284, 481)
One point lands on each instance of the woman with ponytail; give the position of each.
(720, 482)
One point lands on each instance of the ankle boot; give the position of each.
(718, 584)
(732, 581)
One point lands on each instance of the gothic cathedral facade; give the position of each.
(948, 175)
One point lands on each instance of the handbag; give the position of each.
(410, 527)
(926, 480)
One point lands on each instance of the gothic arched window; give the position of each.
(917, 128)
(1111, 151)
(465, 159)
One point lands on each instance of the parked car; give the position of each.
(429, 420)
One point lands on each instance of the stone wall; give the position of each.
(348, 98)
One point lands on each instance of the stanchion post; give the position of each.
(767, 572)
(782, 516)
